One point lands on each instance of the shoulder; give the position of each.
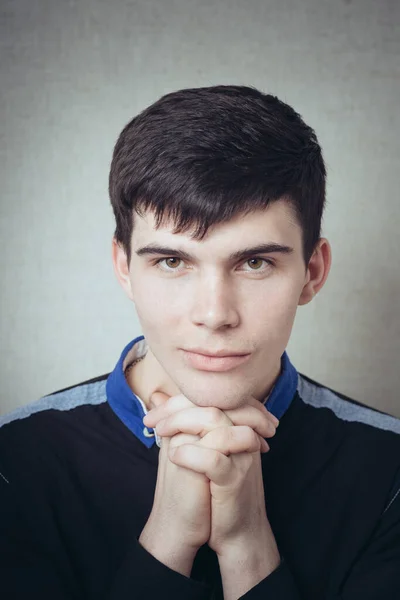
(367, 440)
(33, 433)
(345, 409)
(89, 392)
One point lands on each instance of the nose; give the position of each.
(214, 304)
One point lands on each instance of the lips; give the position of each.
(218, 354)
(204, 362)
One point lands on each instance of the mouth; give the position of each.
(203, 362)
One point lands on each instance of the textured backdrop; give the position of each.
(74, 72)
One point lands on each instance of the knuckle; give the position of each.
(248, 432)
(228, 435)
(268, 426)
(213, 414)
(216, 460)
(250, 437)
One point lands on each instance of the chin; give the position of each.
(224, 397)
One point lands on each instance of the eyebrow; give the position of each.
(244, 254)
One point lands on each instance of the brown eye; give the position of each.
(172, 258)
(258, 261)
(169, 264)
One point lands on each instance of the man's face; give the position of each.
(215, 302)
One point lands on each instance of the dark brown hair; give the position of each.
(205, 155)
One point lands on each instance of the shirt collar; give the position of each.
(131, 409)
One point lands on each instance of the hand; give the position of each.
(228, 454)
(180, 519)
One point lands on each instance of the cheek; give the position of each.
(156, 307)
(274, 313)
(279, 298)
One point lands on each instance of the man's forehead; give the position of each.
(275, 222)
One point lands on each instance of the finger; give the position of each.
(182, 438)
(214, 465)
(177, 440)
(168, 405)
(172, 405)
(197, 421)
(262, 408)
(158, 399)
(254, 418)
(201, 420)
(234, 440)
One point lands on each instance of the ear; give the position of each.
(317, 271)
(121, 267)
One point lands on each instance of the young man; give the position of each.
(157, 480)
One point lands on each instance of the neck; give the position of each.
(147, 377)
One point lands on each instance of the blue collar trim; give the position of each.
(130, 409)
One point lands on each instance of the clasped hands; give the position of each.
(222, 488)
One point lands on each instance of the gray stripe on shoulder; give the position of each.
(321, 397)
(90, 393)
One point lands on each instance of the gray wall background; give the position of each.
(73, 73)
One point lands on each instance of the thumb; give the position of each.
(158, 399)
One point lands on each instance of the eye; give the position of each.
(259, 265)
(172, 264)
(255, 260)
